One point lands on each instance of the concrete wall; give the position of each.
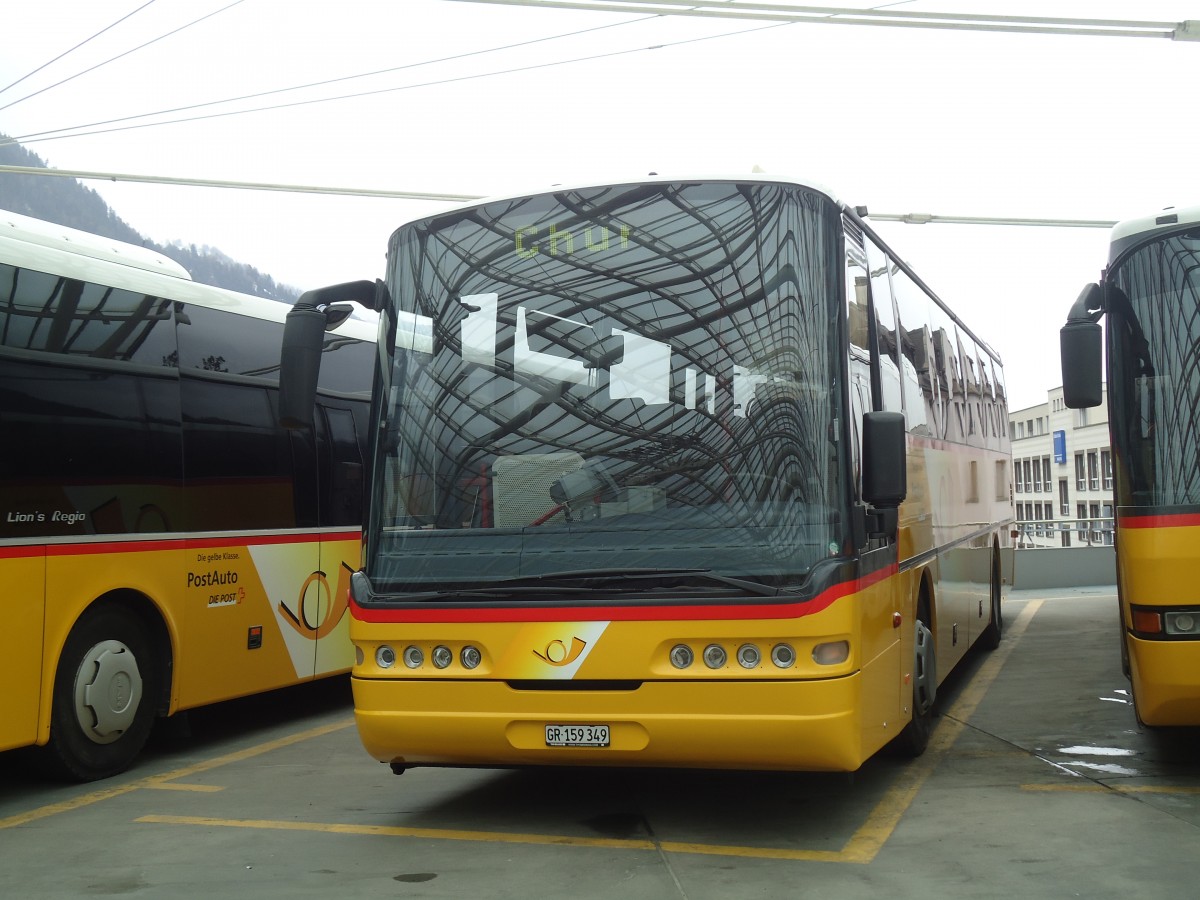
(1065, 567)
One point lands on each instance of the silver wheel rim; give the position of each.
(924, 676)
(108, 690)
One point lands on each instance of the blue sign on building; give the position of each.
(1060, 447)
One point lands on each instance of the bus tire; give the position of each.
(912, 741)
(103, 701)
(990, 638)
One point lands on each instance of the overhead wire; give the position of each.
(58, 133)
(77, 46)
(835, 15)
(329, 81)
(54, 135)
(122, 55)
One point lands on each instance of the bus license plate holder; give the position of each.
(578, 736)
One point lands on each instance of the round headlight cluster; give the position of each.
(749, 656)
(441, 656)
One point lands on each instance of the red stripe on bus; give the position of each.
(1179, 520)
(660, 613)
(184, 543)
(23, 552)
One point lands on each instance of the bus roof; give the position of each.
(1129, 232)
(16, 227)
(757, 177)
(57, 250)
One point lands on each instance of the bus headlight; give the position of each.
(470, 657)
(749, 656)
(714, 656)
(783, 656)
(385, 656)
(414, 657)
(1182, 623)
(442, 656)
(681, 656)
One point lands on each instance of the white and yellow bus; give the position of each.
(1150, 294)
(163, 542)
(673, 472)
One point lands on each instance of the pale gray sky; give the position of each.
(900, 120)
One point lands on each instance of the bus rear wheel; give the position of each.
(103, 707)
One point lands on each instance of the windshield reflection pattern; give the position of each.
(1154, 319)
(609, 379)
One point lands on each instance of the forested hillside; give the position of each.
(67, 202)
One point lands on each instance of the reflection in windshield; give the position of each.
(1153, 300)
(629, 377)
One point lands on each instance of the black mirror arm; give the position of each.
(1089, 307)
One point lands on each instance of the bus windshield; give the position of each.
(1153, 300)
(612, 380)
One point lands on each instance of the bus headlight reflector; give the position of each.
(442, 656)
(832, 653)
(470, 657)
(749, 656)
(385, 656)
(414, 657)
(783, 656)
(681, 656)
(714, 656)
(1182, 622)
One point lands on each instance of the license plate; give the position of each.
(577, 736)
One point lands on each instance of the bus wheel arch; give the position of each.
(111, 680)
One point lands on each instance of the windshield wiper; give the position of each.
(583, 582)
(599, 577)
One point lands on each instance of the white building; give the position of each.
(1062, 473)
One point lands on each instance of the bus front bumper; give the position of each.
(1166, 681)
(801, 725)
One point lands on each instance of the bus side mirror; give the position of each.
(1081, 352)
(300, 365)
(303, 339)
(884, 467)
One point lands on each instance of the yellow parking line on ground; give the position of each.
(1093, 788)
(159, 781)
(445, 834)
(861, 848)
(195, 788)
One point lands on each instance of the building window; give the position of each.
(1081, 520)
(1106, 469)
(1037, 476)
(1046, 480)
(1064, 504)
(1080, 473)
(1093, 471)
(1096, 535)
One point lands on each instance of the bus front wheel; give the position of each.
(912, 741)
(103, 707)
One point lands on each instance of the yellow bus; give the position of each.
(1150, 293)
(679, 473)
(163, 542)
